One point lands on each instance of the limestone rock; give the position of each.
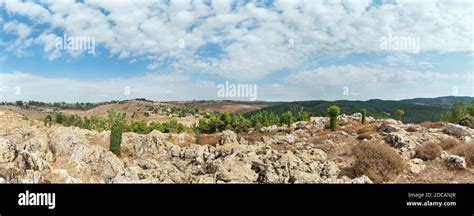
(455, 161)
(416, 165)
(235, 171)
(7, 151)
(228, 137)
(458, 130)
(361, 180)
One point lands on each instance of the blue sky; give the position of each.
(183, 49)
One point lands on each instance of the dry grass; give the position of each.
(411, 129)
(365, 135)
(428, 151)
(343, 123)
(207, 139)
(378, 161)
(449, 143)
(466, 151)
(428, 124)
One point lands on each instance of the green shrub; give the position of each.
(302, 116)
(48, 120)
(140, 127)
(287, 118)
(457, 112)
(399, 113)
(60, 118)
(115, 139)
(467, 121)
(364, 114)
(333, 112)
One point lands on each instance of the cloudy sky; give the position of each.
(183, 49)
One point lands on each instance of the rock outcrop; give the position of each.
(32, 153)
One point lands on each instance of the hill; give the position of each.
(416, 110)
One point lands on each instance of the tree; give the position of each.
(146, 114)
(117, 123)
(457, 112)
(399, 113)
(302, 116)
(287, 118)
(471, 109)
(59, 118)
(333, 112)
(115, 139)
(240, 124)
(48, 120)
(115, 118)
(364, 114)
(226, 119)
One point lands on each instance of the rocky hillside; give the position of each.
(306, 152)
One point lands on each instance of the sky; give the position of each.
(288, 50)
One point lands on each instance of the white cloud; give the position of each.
(132, 29)
(151, 86)
(20, 29)
(378, 82)
(255, 41)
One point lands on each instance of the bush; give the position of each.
(302, 116)
(364, 135)
(60, 118)
(449, 143)
(428, 151)
(466, 151)
(428, 124)
(140, 127)
(333, 112)
(364, 114)
(399, 113)
(378, 161)
(287, 118)
(457, 112)
(48, 120)
(265, 119)
(173, 126)
(469, 154)
(467, 121)
(115, 139)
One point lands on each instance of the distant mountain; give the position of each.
(416, 110)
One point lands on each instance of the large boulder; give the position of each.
(397, 140)
(228, 137)
(234, 170)
(319, 122)
(458, 130)
(285, 139)
(456, 162)
(389, 126)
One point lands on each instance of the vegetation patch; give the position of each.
(428, 151)
(378, 161)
